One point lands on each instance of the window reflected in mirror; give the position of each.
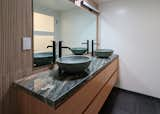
(43, 36)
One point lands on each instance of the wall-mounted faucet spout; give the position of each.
(61, 47)
(87, 43)
(54, 50)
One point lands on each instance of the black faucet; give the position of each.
(54, 50)
(93, 43)
(87, 43)
(60, 48)
(92, 48)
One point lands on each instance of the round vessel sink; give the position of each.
(43, 58)
(78, 51)
(73, 63)
(103, 53)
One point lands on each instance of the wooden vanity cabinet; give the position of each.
(98, 102)
(87, 100)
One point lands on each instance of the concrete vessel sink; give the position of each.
(78, 51)
(73, 63)
(103, 53)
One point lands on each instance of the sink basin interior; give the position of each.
(73, 59)
(74, 63)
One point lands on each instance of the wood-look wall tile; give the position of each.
(15, 22)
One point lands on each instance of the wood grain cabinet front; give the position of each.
(98, 102)
(83, 97)
(87, 100)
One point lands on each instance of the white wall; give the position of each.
(77, 26)
(132, 29)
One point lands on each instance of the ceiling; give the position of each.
(56, 5)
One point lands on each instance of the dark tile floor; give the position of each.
(124, 102)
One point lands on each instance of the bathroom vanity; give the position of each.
(54, 92)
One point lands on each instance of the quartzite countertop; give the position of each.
(53, 87)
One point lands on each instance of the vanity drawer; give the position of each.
(98, 102)
(88, 99)
(86, 94)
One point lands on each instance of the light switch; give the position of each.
(27, 43)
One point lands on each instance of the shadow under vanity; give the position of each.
(82, 76)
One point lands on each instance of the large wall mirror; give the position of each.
(60, 20)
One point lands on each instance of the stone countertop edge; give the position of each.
(61, 100)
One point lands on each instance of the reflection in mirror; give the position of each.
(60, 20)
